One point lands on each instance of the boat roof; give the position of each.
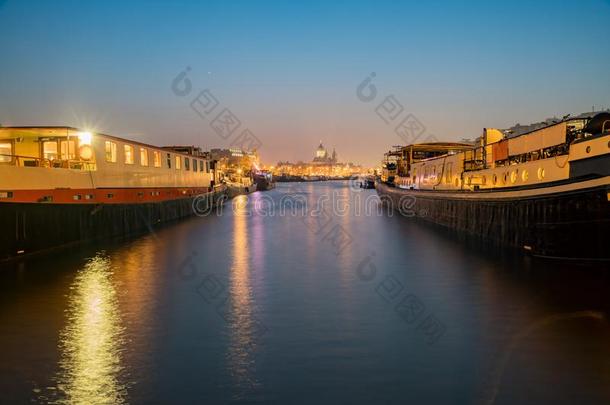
(66, 130)
(518, 130)
(439, 146)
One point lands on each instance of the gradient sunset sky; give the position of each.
(289, 71)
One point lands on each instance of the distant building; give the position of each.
(234, 156)
(235, 163)
(322, 164)
(189, 150)
(323, 157)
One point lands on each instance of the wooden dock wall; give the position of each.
(573, 225)
(30, 228)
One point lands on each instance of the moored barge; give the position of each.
(264, 180)
(546, 191)
(62, 185)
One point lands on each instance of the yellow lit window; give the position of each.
(525, 175)
(540, 173)
(178, 160)
(68, 150)
(49, 150)
(110, 152)
(128, 154)
(157, 158)
(143, 157)
(6, 150)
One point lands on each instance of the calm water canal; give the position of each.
(257, 305)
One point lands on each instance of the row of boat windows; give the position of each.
(505, 178)
(51, 150)
(140, 194)
(513, 177)
(129, 158)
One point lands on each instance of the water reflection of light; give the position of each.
(346, 219)
(91, 342)
(242, 326)
(265, 208)
(140, 273)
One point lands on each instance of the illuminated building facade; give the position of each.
(235, 164)
(322, 164)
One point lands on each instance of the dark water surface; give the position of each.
(274, 308)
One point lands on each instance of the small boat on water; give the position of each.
(234, 189)
(62, 185)
(367, 182)
(238, 183)
(312, 178)
(264, 180)
(546, 191)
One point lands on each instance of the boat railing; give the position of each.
(32, 161)
(474, 159)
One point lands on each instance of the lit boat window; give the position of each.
(540, 173)
(525, 175)
(110, 152)
(143, 157)
(6, 150)
(178, 162)
(49, 150)
(68, 150)
(157, 158)
(129, 158)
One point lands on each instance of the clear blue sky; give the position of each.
(289, 71)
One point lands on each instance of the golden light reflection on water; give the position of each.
(243, 328)
(92, 340)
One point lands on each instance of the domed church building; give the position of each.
(322, 156)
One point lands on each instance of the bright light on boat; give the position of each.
(84, 138)
(85, 152)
